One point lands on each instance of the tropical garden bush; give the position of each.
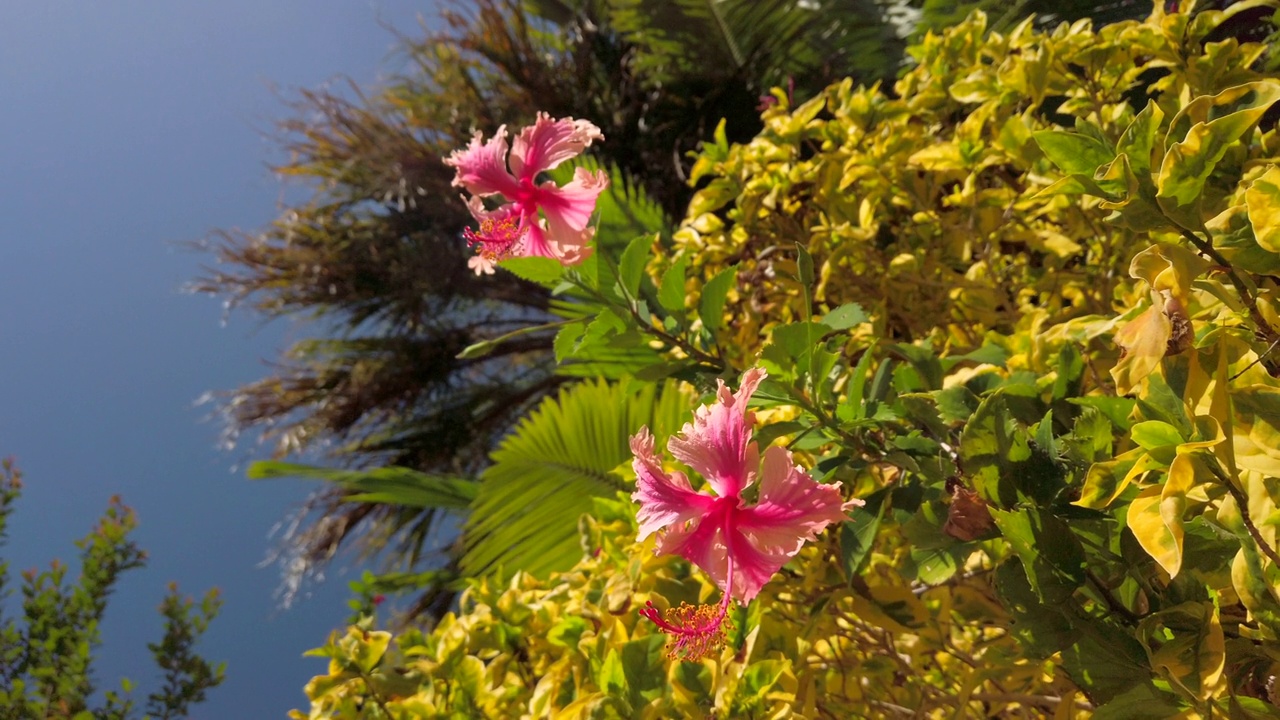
(1007, 327)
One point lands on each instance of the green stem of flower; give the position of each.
(646, 326)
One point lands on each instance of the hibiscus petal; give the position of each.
(703, 544)
(535, 240)
(718, 442)
(481, 264)
(793, 507)
(664, 500)
(754, 565)
(482, 166)
(547, 143)
(568, 209)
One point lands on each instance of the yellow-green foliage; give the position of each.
(1054, 527)
(927, 208)
(574, 647)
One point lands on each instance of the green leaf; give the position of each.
(956, 403)
(854, 405)
(760, 676)
(631, 265)
(990, 444)
(364, 648)
(1117, 409)
(934, 566)
(1233, 235)
(612, 678)
(644, 665)
(1161, 403)
(671, 293)
(1090, 438)
(1152, 434)
(567, 631)
(881, 383)
(1070, 373)
(1105, 480)
(858, 535)
(1108, 664)
(567, 340)
(845, 317)
(714, 293)
(542, 270)
(1044, 630)
(1243, 707)
(1139, 139)
(1073, 153)
(767, 434)
(804, 268)
(925, 363)
(791, 345)
(1187, 647)
(1051, 555)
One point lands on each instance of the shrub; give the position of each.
(1025, 306)
(46, 661)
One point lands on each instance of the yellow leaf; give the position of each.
(1146, 519)
(1256, 439)
(1263, 202)
(943, 156)
(1220, 406)
(1059, 244)
(1102, 484)
(1185, 644)
(1168, 268)
(1145, 340)
(1199, 137)
(1173, 495)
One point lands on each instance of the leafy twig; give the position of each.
(1243, 503)
(1114, 604)
(1268, 333)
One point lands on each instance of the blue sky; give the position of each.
(126, 128)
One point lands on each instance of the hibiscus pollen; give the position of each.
(696, 630)
(498, 238)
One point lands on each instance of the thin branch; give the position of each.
(1243, 503)
(1264, 328)
(1114, 604)
(1042, 701)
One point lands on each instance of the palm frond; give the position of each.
(763, 40)
(389, 485)
(544, 475)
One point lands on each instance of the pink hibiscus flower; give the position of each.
(536, 219)
(740, 546)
